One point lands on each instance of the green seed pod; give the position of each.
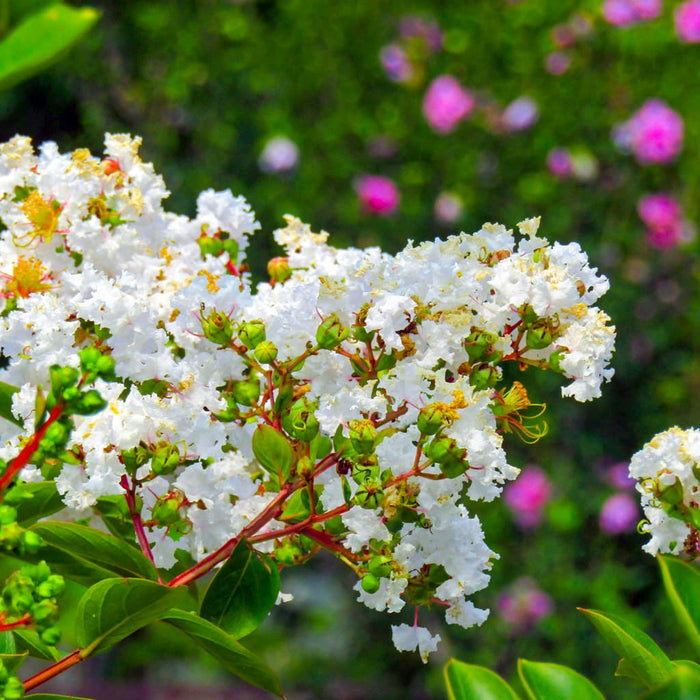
(363, 436)
(218, 328)
(370, 583)
(370, 495)
(301, 422)
(251, 333)
(331, 333)
(166, 509)
(431, 418)
(539, 335)
(279, 270)
(246, 392)
(266, 352)
(484, 376)
(166, 459)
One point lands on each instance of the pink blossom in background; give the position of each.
(559, 162)
(624, 13)
(396, 64)
(448, 208)
(686, 19)
(279, 155)
(523, 604)
(620, 513)
(557, 62)
(663, 217)
(527, 496)
(618, 476)
(655, 133)
(413, 27)
(377, 194)
(520, 114)
(446, 103)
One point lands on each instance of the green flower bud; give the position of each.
(90, 402)
(53, 587)
(246, 392)
(62, 377)
(166, 459)
(279, 270)
(71, 393)
(51, 635)
(166, 509)
(30, 542)
(14, 689)
(370, 495)
(484, 376)
(479, 345)
(266, 352)
(210, 246)
(300, 422)
(380, 565)
(432, 417)
(539, 335)
(44, 612)
(370, 583)
(331, 333)
(363, 436)
(251, 333)
(218, 328)
(22, 601)
(8, 515)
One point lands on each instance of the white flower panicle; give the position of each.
(354, 403)
(667, 470)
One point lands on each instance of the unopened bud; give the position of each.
(266, 352)
(210, 246)
(251, 333)
(279, 270)
(247, 392)
(363, 436)
(218, 328)
(431, 418)
(370, 583)
(331, 333)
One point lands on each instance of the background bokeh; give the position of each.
(319, 109)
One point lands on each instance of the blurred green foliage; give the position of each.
(208, 83)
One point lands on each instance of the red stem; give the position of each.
(59, 667)
(23, 621)
(22, 459)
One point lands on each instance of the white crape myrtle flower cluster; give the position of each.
(380, 373)
(667, 470)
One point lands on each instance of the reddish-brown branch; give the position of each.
(22, 459)
(52, 671)
(23, 621)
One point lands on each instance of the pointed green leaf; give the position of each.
(683, 684)
(273, 451)
(13, 661)
(682, 584)
(7, 391)
(7, 643)
(31, 642)
(40, 40)
(116, 607)
(34, 501)
(242, 593)
(469, 682)
(226, 650)
(93, 549)
(642, 653)
(554, 682)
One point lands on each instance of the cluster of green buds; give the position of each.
(441, 449)
(216, 244)
(11, 687)
(30, 596)
(292, 550)
(483, 358)
(164, 456)
(15, 538)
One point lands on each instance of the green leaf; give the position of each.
(273, 451)
(113, 517)
(115, 608)
(684, 684)
(226, 650)
(7, 391)
(242, 593)
(40, 40)
(643, 656)
(682, 584)
(31, 642)
(469, 682)
(94, 551)
(13, 661)
(7, 643)
(554, 682)
(34, 501)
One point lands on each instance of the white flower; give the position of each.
(408, 638)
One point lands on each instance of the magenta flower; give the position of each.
(527, 496)
(559, 162)
(523, 604)
(663, 217)
(655, 133)
(520, 114)
(446, 103)
(557, 62)
(624, 13)
(377, 194)
(620, 513)
(396, 64)
(618, 476)
(448, 208)
(687, 21)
